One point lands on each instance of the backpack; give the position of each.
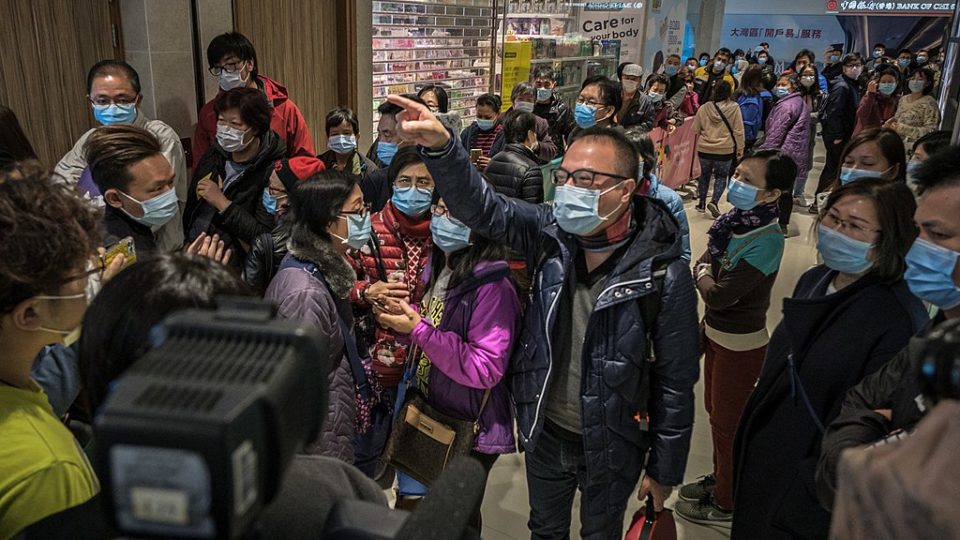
(751, 108)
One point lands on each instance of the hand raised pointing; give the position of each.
(417, 124)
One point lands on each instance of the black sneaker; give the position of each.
(695, 491)
(714, 210)
(701, 209)
(704, 511)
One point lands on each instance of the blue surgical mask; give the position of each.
(842, 253)
(342, 144)
(916, 86)
(848, 175)
(449, 234)
(762, 60)
(386, 151)
(544, 94)
(671, 69)
(358, 230)
(525, 106)
(109, 115)
(913, 166)
(733, 69)
(904, 62)
(655, 97)
(485, 124)
(921, 59)
(703, 62)
(930, 274)
(887, 88)
(156, 211)
(270, 202)
(877, 54)
(742, 196)
(781, 91)
(577, 209)
(585, 115)
(834, 58)
(412, 201)
(719, 66)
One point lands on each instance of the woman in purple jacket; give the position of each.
(788, 130)
(464, 337)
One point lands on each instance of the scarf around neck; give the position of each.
(613, 236)
(738, 221)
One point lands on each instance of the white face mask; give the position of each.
(525, 106)
(231, 138)
(630, 86)
(232, 79)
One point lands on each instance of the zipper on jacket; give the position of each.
(546, 333)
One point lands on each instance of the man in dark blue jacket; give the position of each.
(592, 395)
(838, 117)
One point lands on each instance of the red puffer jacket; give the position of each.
(405, 245)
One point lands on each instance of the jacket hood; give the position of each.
(276, 92)
(307, 246)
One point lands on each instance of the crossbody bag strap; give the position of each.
(730, 129)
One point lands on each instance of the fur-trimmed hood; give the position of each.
(307, 246)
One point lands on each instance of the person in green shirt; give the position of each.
(47, 238)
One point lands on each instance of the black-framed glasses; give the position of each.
(404, 182)
(276, 193)
(232, 67)
(583, 178)
(104, 101)
(591, 102)
(362, 212)
(99, 265)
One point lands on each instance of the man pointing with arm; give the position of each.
(605, 367)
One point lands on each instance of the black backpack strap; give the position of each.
(375, 248)
(730, 129)
(649, 311)
(343, 314)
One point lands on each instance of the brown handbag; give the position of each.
(424, 440)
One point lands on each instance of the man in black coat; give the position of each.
(890, 400)
(838, 117)
(551, 107)
(515, 172)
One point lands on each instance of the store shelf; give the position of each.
(422, 60)
(539, 16)
(572, 59)
(444, 80)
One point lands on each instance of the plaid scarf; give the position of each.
(738, 221)
(613, 236)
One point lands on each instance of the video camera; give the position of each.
(940, 363)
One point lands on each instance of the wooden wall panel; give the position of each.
(47, 48)
(299, 44)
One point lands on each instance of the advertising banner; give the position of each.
(615, 20)
(677, 159)
(664, 35)
(516, 67)
(855, 7)
(786, 34)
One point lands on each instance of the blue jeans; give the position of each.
(720, 170)
(368, 447)
(555, 470)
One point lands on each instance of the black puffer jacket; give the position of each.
(245, 218)
(560, 118)
(515, 173)
(266, 252)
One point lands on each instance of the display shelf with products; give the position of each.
(550, 26)
(424, 42)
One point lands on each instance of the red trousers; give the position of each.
(729, 377)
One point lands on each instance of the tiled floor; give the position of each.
(505, 507)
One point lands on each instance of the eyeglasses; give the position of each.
(404, 182)
(232, 67)
(123, 101)
(591, 102)
(362, 212)
(276, 193)
(98, 267)
(583, 178)
(833, 221)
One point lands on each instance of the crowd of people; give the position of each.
(441, 270)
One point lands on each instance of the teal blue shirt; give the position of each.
(761, 248)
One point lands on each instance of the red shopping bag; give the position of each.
(650, 525)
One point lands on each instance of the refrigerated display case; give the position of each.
(444, 42)
(551, 28)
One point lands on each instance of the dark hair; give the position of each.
(317, 202)
(522, 88)
(739, 52)
(113, 67)
(490, 100)
(406, 156)
(340, 115)
(14, 144)
(236, 44)
(658, 78)
(891, 146)
(927, 74)
(251, 103)
(805, 52)
(389, 109)
(721, 91)
(813, 89)
(609, 90)
(932, 142)
(620, 69)
(545, 72)
(117, 325)
(517, 124)
(443, 101)
(850, 58)
(627, 163)
(940, 169)
(464, 261)
(689, 59)
(675, 55)
(880, 46)
(905, 51)
(46, 232)
(701, 55)
(889, 70)
(112, 150)
(895, 206)
(751, 83)
(643, 146)
(724, 51)
(781, 169)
